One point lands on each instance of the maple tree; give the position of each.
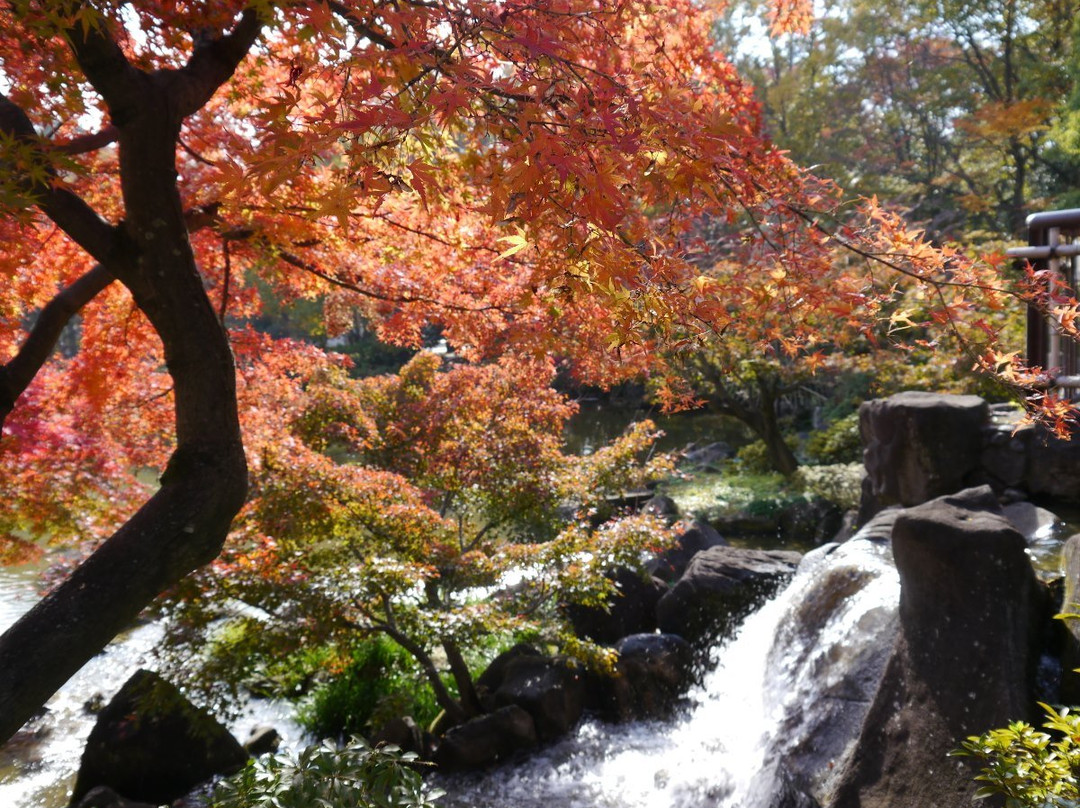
(442, 522)
(529, 176)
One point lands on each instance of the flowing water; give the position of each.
(791, 667)
(38, 766)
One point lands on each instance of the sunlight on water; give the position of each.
(38, 766)
(790, 655)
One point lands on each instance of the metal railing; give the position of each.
(1054, 244)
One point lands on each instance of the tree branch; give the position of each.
(214, 61)
(73, 215)
(17, 374)
(103, 63)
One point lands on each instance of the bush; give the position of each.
(840, 442)
(753, 458)
(381, 682)
(840, 483)
(326, 775)
(1031, 769)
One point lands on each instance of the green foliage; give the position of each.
(840, 442)
(1031, 769)
(425, 506)
(839, 483)
(753, 458)
(380, 682)
(327, 776)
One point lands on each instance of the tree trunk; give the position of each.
(767, 426)
(204, 485)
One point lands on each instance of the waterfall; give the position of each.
(791, 685)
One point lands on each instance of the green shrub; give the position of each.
(328, 776)
(840, 483)
(840, 442)
(1031, 769)
(753, 458)
(381, 682)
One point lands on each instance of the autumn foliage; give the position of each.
(556, 178)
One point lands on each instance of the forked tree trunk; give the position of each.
(185, 523)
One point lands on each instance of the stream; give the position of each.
(38, 766)
(792, 683)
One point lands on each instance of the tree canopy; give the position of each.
(555, 177)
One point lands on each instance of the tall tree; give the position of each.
(530, 176)
(945, 107)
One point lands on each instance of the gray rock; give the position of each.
(722, 585)
(652, 674)
(671, 564)
(550, 689)
(401, 732)
(105, 797)
(151, 744)
(919, 446)
(964, 659)
(487, 739)
(1070, 652)
(262, 740)
(1033, 522)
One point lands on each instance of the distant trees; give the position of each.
(957, 110)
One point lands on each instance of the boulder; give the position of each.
(810, 520)
(721, 586)
(151, 744)
(671, 564)
(653, 672)
(262, 740)
(486, 739)
(631, 610)
(402, 732)
(828, 653)
(1034, 523)
(662, 506)
(919, 446)
(1052, 467)
(550, 689)
(494, 674)
(706, 457)
(964, 658)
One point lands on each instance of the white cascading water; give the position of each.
(792, 684)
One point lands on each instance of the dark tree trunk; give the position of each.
(185, 523)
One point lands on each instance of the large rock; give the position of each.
(719, 588)
(919, 446)
(1053, 467)
(151, 744)
(1070, 652)
(105, 797)
(672, 563)
(550, 689)
(631, 610)
(828, 653)
(487, 739)
(964, 659)
(652, 674)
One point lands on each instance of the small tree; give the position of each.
(432, 507)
